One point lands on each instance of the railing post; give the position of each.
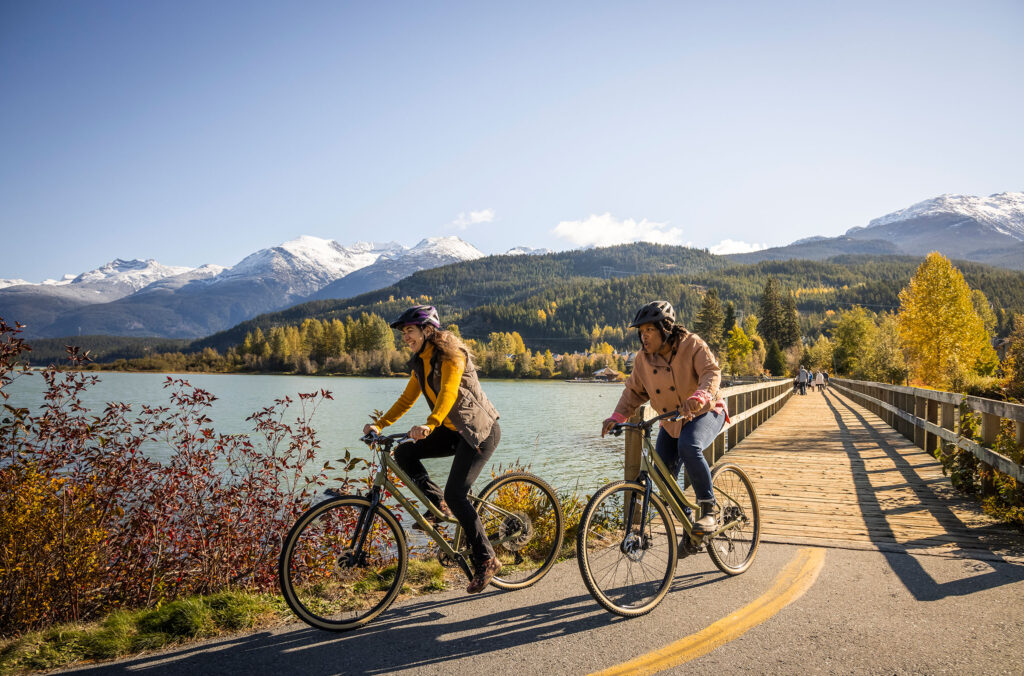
(920, 412)
(932, 441)
(634, 444)
(949, 417)
(989, 432)
(908, 407)
(731, 404)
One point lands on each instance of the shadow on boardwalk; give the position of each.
(911, 571)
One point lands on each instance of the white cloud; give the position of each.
(463, 220)
(605, 230)
(729, 246)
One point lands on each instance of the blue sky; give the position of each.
(199, 132)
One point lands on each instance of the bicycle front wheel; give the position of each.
(329, 580)
(627, 564)
(733, 549)
(523, 521)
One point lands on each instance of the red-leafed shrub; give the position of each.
(210, 517)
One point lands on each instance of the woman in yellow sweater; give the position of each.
(462, 423)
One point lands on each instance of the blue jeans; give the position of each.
(688, 450)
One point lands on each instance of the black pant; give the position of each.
(466, 467)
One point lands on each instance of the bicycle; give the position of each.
(344, 561)
(626, 543)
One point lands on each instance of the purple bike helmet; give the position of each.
(420, 315)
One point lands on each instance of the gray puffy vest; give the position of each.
(472, 413)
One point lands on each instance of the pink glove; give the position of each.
(698, 402)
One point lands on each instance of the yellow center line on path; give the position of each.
(796, 578)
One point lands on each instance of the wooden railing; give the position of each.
(749, 406)
(925, 416)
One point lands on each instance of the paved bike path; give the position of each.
(867, 612)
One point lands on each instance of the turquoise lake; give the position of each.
(552, 426)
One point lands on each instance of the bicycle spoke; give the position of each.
(627, 567)
(733, 549)
(522, 520)
(327, 582)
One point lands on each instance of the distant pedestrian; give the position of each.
(819, 381)
(825, 373)
(801, 380)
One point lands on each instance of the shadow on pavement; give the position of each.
(412, 635)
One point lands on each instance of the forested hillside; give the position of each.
(556, 301)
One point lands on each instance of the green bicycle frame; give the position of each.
(655, 470)
(382, 482)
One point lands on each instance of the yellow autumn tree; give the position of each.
(941, 332)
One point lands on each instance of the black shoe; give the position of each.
(433, 520)
(687, 548)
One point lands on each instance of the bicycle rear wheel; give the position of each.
(325, 581)
(733, 549)
(523, 521)
(626, 565)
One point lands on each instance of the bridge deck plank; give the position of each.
(829, 472)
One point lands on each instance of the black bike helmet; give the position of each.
(655, 312)
(658, 312)
(420, 315)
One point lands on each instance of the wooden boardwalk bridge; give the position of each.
(828, 472)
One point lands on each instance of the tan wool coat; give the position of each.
(668, 383)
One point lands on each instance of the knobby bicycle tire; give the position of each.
(733, 550)
(611, 554)
(324, 582)
(528, 544)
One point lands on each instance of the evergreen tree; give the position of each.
(278, 344)
(730, 318)
(770, 315)
(790, 322)
(942, 334)
(775, 361)
(710, 320)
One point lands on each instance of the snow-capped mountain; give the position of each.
(527, 251)
(116, 279)
(429, 253)
(4, 283)
(963, 227)
(146, 298)
(1002, 212)
(203, 274)
(985, 229)
(308, 263)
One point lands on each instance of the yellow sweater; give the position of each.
(441, 403)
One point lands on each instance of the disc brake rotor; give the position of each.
(515, 531)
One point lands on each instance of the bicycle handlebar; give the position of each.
(386, 440)
(647, 424)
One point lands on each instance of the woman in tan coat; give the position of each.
(677, 371)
